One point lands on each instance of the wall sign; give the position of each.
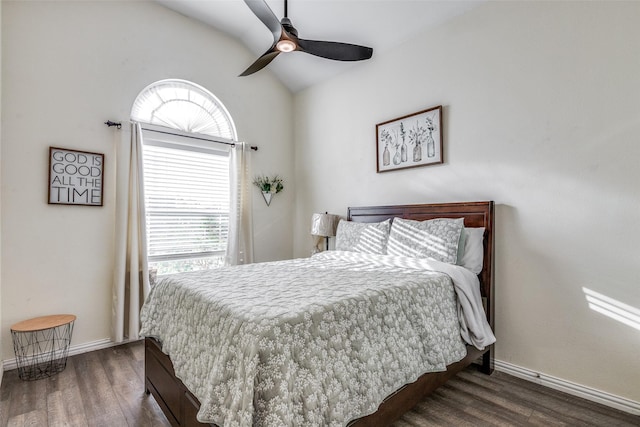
(75, 177)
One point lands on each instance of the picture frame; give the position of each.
(75, 177)
(410, 141)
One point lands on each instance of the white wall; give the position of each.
(542, 115)
(68, 67)
(1, 367)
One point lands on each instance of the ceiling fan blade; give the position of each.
(335, 50)
(261, 62)
(265, 14)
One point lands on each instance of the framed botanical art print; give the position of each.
(410, 141)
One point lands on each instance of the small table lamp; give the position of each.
(324, 225)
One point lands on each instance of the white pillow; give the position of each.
(435, 238)
(473, 254)
(363, 237)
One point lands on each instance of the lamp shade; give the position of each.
(324, 224)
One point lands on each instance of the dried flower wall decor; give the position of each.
(268, 186)
(410, 141)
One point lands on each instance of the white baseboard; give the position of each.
(607, 399)
(10, 364)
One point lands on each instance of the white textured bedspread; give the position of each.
(307, 342)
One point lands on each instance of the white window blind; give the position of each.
(187, 203)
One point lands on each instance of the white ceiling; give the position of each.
(380, 24)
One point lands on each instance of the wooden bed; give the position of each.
(181, 407)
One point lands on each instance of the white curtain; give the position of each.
(240, 241)
(131, 280)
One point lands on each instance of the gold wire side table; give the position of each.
(41, 345)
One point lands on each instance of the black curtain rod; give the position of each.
(119, 125)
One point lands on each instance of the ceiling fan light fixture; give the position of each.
(286, 46)
(285, 38)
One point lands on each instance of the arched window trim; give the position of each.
(213, 118)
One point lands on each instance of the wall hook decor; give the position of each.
(268, 186)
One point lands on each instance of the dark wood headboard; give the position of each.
(475, 214)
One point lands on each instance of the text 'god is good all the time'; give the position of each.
(75, 177)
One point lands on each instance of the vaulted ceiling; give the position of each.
(380, 24)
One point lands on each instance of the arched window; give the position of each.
(185, 106)
(186, 175)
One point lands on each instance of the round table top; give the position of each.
(44, 322)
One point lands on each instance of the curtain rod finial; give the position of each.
(116, 124)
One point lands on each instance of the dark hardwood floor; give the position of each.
(106, 388)
(100, 388)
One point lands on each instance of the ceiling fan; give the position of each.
(285, 39)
